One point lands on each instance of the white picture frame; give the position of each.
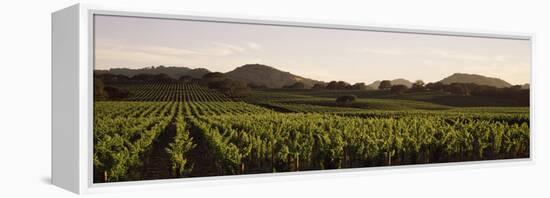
(72, 102)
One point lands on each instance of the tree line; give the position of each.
(516, 93)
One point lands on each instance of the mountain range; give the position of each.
(270, 77)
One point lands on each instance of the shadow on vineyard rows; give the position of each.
(275, 108)
(157, 164)
(202, 159)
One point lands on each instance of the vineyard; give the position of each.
(174, 92)
(210, 134)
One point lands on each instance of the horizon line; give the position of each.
(412, 81)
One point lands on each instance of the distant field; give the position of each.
(380, 104)
(438, 100)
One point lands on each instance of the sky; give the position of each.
(316, 53)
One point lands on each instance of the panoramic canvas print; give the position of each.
(189, 98)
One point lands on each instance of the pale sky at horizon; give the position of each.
(320, 54)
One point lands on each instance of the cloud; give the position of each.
(224, 49)
(253, 46)
(108, 53)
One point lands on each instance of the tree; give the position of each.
(212, 79)
(233, 88)
(346, 99)
(359, 86)
(338, 85)
(398, 89)
(418, 85)
(343, 85)
(438, 86)
(186, 78)
(296, 85)
(108, 78)
(99, 92)
(458, 89)
(332, 85)
(318, 86)
(384, 85)
(153, 78)
(213, 76)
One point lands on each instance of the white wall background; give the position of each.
(25, 98)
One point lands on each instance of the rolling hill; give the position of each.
(476, 79)
(267, 76)
(273, 78)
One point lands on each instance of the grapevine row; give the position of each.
(176, 92)
(120, 140)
